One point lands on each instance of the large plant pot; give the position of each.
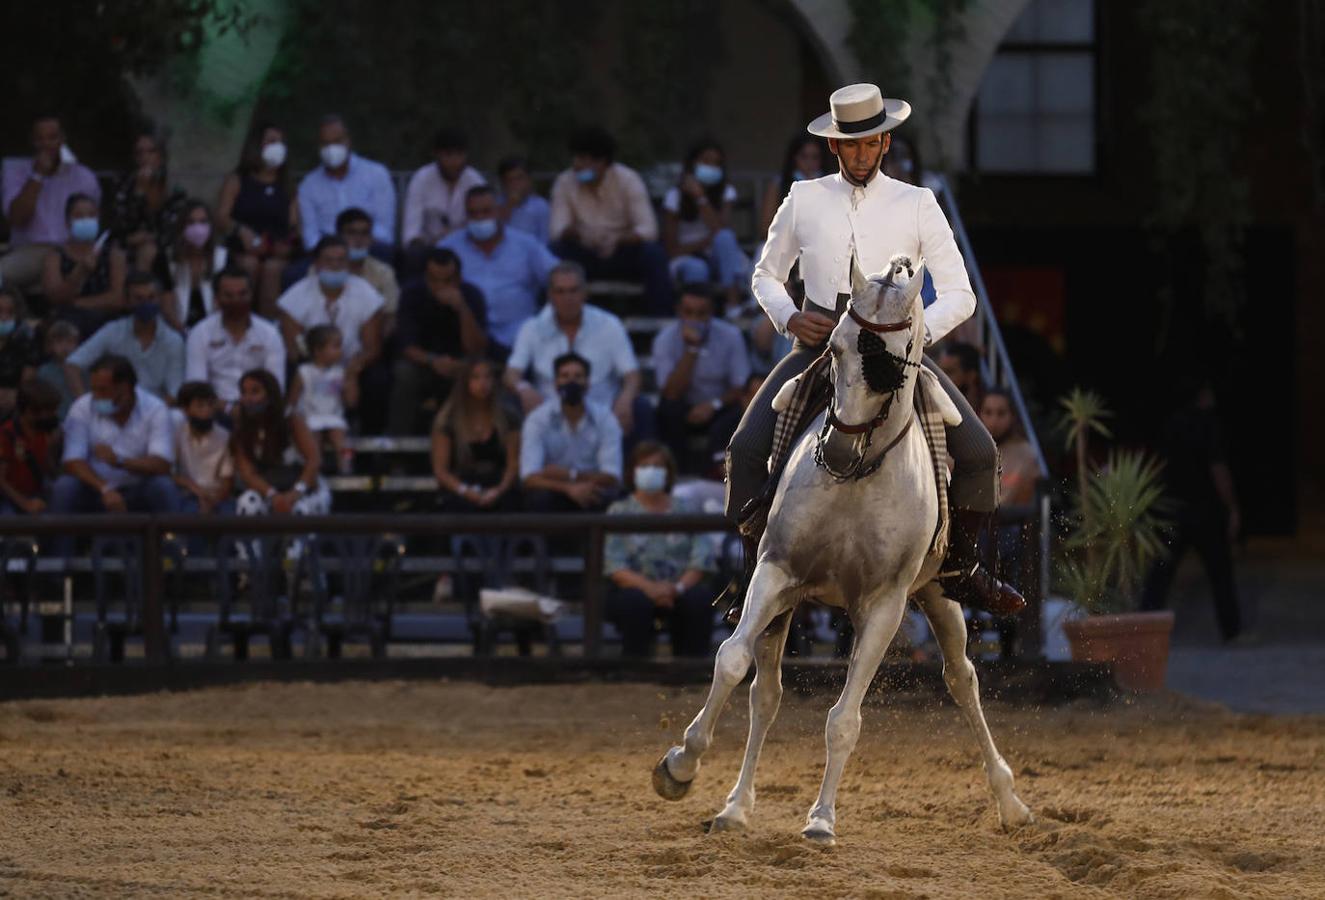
(1137, 644)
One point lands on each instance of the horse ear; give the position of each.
(859, 283)
(916, 283)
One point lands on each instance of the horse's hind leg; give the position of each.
(765, 696)
(945, 617)
(766, 598)
(873, 635)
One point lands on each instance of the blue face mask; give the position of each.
(708, 175)
(650, 479)
(357, 254)
(103, 407)
(84, 229)
(332, 280)
(798, 175)
(7, 327)
(482, 229)
(146, 312)
(585, 176)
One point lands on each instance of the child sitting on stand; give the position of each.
(320, 392)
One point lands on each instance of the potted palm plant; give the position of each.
(1117, 535)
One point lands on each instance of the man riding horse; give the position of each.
(823, 223)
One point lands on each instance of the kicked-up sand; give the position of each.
(412, 788)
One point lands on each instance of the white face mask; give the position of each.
(274, 155)
(651, 479)
(334, 155)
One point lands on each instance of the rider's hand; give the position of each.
(812, 328)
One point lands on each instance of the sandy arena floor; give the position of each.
(410, 788)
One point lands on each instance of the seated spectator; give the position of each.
(320, 393)
(442, 321)
(119, 449)
(767, 345)
(568, 325)
(697, 225)
(521, 208)
(658, 576)
(142, 337)
(28, 442)
(83, 278)
(435, 196)
(204, 469)
(36, 203)
(146, 208)
(344, 180)
(508, 266)
(330, 295)
(961, 363)
(355, 228)
(476, 445)
(232, 341)
(18, 349)
(803, 161)
(275, 454)
(570, 448)
(188, 270)
(1019, 468)
(61, 341)
(603, 219)
(701, 366)
(259, 214)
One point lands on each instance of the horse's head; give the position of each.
(882, 331)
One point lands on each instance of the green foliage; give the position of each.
(1201, 100)
(76, 57)
(1083, 412)
(1120, 534)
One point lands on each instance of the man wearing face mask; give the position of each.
(346, 179)
(508, 266)
(142, 337)
(570, 447)
(825, 222)
(28, 441)
(702, 366)
(35, 193)
(355, 228)
(602, 218)
(118, 449)
(330, 295)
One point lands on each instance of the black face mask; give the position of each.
(46, 423)
(885, 372)
(201, 426)
(572, 393)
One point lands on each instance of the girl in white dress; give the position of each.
(320, 392)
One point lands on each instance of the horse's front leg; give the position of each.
(875, 628)
(767, 596)
(765, 697)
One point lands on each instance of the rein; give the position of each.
(858, 469)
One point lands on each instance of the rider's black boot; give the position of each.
(733, 598)
(973, 583)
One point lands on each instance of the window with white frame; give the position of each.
(1035, 113)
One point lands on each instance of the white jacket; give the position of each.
(822, 220)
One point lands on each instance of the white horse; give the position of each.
(851, 525)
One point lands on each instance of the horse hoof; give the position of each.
(668, 787)
(820, 837)
(1019, 815)
(720, 823)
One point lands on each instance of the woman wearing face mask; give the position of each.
(18, 350)
(189, 271)
(697, 225)
(258, 213)
(145, 208)
(657, 577)
(275, 454)
(476, 444)
(84, 277)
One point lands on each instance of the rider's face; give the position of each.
(859, 157)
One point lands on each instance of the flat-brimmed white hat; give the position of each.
(859, 110)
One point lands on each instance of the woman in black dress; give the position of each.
(83, 278)
(146, 208)
(259, 215)
(476, 445)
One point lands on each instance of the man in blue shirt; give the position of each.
(570, 447)
(507, 265)
(154, 349)
(346, 180)
(701, 366)
(521, 208)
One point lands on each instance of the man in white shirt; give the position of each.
(330, 295)
(822, 223)
(435, 197)
(232, 341)
(567, 324)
